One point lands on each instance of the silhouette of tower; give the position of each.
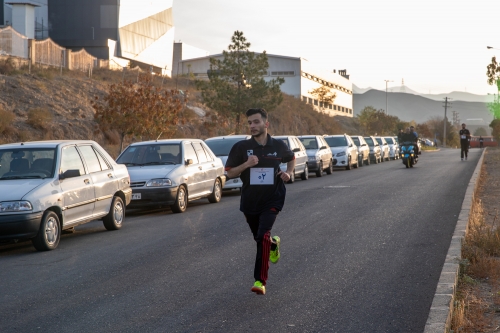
(402, 89)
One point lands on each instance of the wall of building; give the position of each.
(184, 51)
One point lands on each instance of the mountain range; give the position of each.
(408, 106)
(454, 95)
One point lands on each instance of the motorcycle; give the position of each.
(408, 154)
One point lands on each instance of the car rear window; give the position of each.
(389, 141)
(336, 141)
(369, 141)
(356, 141)
(27, 163)
(221, 147)
(309, 143)
(379, 140)
(151, 154)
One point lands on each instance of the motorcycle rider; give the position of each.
(411, 136)
(415, 139)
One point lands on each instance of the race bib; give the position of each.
(463, 136)
(261, 176)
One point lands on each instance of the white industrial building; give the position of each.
(300, 79)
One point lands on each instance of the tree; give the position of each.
(377, 121)
(139, 109)
(493, 74)
(495, 129)
(324, 95)
(480, 132)
(237, 83)
(436, 126)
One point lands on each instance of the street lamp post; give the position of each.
(386, 106)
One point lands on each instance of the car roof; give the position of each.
(307, 136)
(163, 141)
(335, 136)
(282, 136)
(43, 144)
(239, 136)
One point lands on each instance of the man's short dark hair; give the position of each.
(251, 112)
(412, 126)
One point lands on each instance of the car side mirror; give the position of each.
(350, 145)
(363, 145)
(189, 161)
(70, 174)
(322, 147)
(295, 150)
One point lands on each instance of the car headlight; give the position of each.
(15, 206)
(341, 154)
(159, 182)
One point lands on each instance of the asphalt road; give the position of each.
(362, 251)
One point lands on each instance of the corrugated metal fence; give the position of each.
(82, 60)
(49, 53)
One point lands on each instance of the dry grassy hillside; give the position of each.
(46, 105)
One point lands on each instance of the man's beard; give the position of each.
(259, 132)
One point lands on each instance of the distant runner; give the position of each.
(464, 135)
(257, 162)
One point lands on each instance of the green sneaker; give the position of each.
(259, 288)
(275, 255)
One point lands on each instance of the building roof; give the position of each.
(29, 3)
(269, 55)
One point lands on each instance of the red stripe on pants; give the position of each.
(266, 248)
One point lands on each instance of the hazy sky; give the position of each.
(437, 46)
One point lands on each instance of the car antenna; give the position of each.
(159, 136)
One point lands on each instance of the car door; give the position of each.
(78, 200)
(207, 172)
(300, 156)
(194, 171)
(102, 177)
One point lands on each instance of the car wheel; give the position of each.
(319, 172)
(292, 177)
(329, 170)
(217, 192)
(116, 215)
(356, 165)
(348, 166)
(368, 161)
(360, 162)
(305, 174)
(382, 158)
(181, 201)
(49, 233)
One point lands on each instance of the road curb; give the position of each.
(439, 319)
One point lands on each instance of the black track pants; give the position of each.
(464, 148)
(261, 226)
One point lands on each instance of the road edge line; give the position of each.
(439, 319)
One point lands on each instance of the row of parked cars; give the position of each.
(51, 186)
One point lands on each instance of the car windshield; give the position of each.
(27, 163)
(396, 139)
(336, 141)
(389, 141)
(221, 147)
(369, 141)
(356, 141)
(309, 143)
(152, 154)
(379, 140)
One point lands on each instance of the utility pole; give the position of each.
(446, 102)
(386, 106)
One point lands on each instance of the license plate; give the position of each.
(136, 196)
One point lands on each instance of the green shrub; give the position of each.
(6, 120)
(40, 118)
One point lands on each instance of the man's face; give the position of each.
(412, 129)
(257, 125)
(463, 126)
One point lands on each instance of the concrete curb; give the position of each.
(439, 319)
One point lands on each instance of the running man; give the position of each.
(257, 162)
(464, 135)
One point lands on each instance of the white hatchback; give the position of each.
(50, 186)
(344, 151)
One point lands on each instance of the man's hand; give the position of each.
(285, 176)
(252, 161)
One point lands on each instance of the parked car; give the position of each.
(375, 151)
(50, 186)
(344, 151)
(173, 172)
(384, 148)
(363, 150)
(393, 147)
(318, 153)
(221, 146)
(301, 160)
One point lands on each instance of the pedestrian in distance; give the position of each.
(481, 142)
(257, 162)
(464, 135)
